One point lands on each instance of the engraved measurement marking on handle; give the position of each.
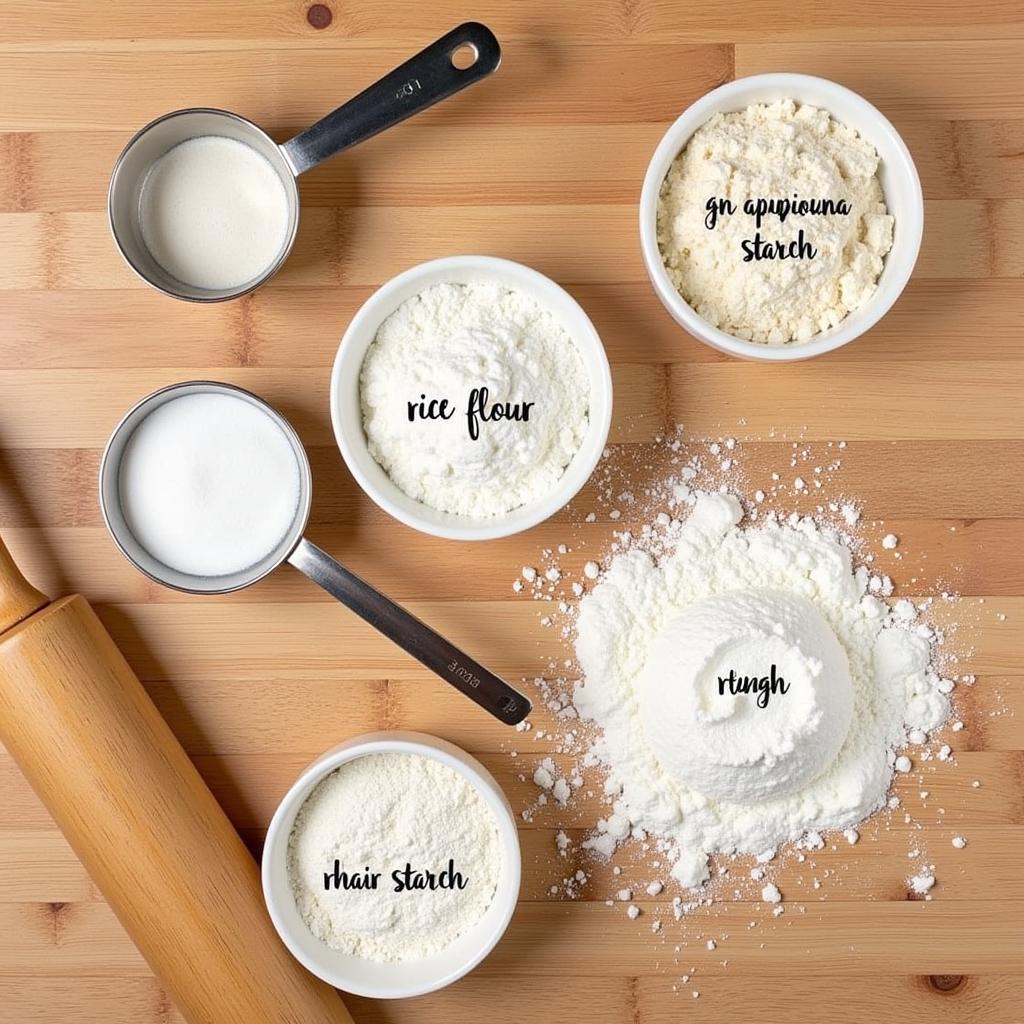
(413, 85)
(463, 673)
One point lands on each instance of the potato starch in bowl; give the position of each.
(209, 484)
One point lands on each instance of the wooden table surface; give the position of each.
(543, 164)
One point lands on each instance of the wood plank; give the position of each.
(132, 1000)
(968, 480)
(241, 23)
(286, 90)
(978, 80)
(250, 786)
(978, 937)
(859, 405)
(481, 164)
(788, 995)
(308, 716)
(305, 716)
(596, 244)
(284, 327)
(968, 557)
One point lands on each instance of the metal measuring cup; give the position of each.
(429, 77)
(431, 649)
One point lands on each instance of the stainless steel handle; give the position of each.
(420, 82)
(413, 636)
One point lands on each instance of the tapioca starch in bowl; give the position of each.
(772, 223)
(474, 398)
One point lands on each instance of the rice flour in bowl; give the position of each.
(424, 366)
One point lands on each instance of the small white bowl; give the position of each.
(897, 173)
(346, 413)
(410, 977)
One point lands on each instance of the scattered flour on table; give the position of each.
(443, 343)
(383, 811)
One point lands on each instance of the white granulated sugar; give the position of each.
(776, 151)
(743, 778)
(442, 344)
(209, 484)
(384, 811)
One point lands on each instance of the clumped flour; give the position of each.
(774, 152)
(444, 343)
(704, 794)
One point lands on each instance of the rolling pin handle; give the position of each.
(18, 598)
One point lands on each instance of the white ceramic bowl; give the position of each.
(346, 414)
(406, 978)
(897, 173)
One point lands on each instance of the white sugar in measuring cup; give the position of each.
(463, 56)
(492, 693)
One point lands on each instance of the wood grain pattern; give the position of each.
(541, 164)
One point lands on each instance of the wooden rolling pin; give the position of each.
(96, 750)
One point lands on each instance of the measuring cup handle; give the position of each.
(413, 636)
(420, 82)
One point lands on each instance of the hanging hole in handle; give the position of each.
(463, 57)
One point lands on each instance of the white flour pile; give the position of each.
(748, 689)
(378, 814)
(708, 772)
(446, 343)
(747, 746)
(780, 153)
